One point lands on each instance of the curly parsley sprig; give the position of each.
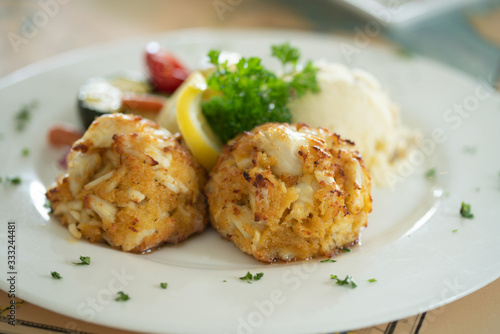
(250, 95)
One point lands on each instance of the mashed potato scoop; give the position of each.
(352, 102)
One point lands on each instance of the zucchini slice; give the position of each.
(103, 95)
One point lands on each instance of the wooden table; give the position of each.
(34, 30)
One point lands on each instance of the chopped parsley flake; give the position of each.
(224, 281)
(163, 285)
(347, 250)
(371, 280)
(23, 116)
(346, 281)
(430, 174)
(11, 180)
(328, 260)
(55, 275)
(286, 53)
(25, 152)
(465, 211)
(455, 230)
(14, 180)
(84, 260)
(470, 149)
(258, 276)
(47, 204)
(122, 297)
(248, 277)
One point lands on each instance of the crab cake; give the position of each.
(289, 192)
(132, 184)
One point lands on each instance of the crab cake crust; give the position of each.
(132, 184)
(289, 192)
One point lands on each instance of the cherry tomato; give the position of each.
(143, 102)
(166, 71)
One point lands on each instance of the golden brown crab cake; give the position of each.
(289, 192)
(132, 184)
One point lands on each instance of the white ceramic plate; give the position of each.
(409, 246)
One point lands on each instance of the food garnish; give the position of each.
(371, 280)
(25, 152)
(12, 180)
(431, 173)
(465, 211)
(24, 115)
(55, 275)
(251, 95)
(328, 260)
(346, 281)
(122, 297)
(258, 276)
(163, 285)
(84, 260)
(249, 277)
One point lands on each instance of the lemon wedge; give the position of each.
(193, 126)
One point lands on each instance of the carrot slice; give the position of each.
(63, 135)
(143, 102)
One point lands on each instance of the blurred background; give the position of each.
(461, 33)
